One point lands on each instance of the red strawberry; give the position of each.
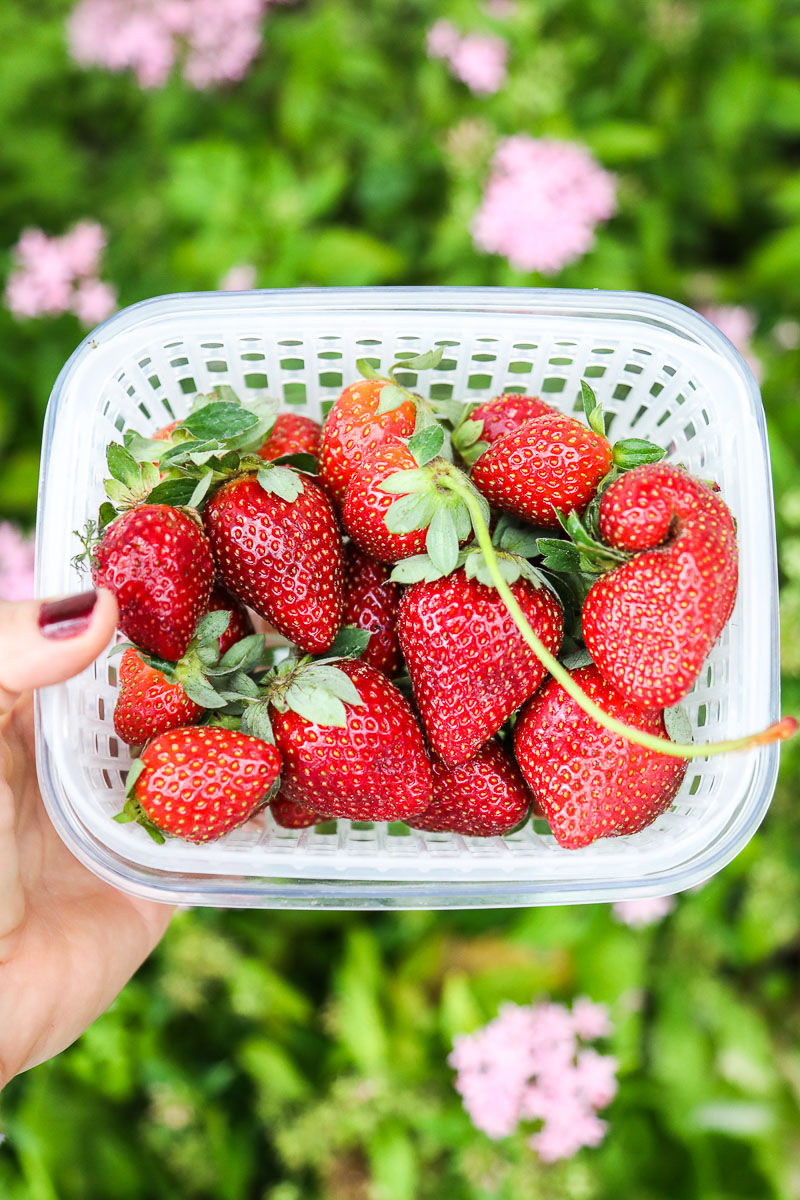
(292, 433)
(506, 413)
(483, 797)
(374, 768)
(148, 703)
(290, 815)
(157, 562)
(163, 434)
(240, 624)
(650, 623)
(370, 602)
(592, 783)
(352, 431)
(549, 463)
(198, 784)
(365, 506)
(468, 662)
(282, 557)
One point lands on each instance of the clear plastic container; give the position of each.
(659, 368)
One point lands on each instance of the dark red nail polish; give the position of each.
(68, 617)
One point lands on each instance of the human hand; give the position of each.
(68, 941)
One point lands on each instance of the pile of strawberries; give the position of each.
(489, 608)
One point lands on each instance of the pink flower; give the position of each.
(528, 1065)
(478, 59)
(240, 278)
(16, 564)
(501, 8)
(542, 203)
(54, 275)
(738, 324)
(638, 913)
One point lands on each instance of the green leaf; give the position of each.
(301, 462)
(244, 654)
(256, 722)
(150, 477)
(441, 542)
(559, 556)
(678, 725)
(122, 466)
(403, 483)
(332, 680)
(423, 362)
(462, 520)
(633, 452)
(410, 512)
(516, 538)
(589, 399)
(476, 567)
(212, 626)
(467, 435)
(176, 492)
(200, 690)
(199, 493)
(577, 659)
(118, 493)
(416, 569)
(473, 452)
(316, 705)
(143, 449)
(243, 686)
(136, 768)
(350, 642)
(391, 398)
(106, 515)
(220, 421)
(426, 444)
(365, 368)
(282, 482)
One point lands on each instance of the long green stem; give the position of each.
(781, 730)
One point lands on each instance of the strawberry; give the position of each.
(366, 762)
(148, 703)
(290, 815)
(280, 552)
(240, 625)
(353, 430)
(592, 783)
(200, 783)
(157, 562)
(292, 433)
(483, 797)
(489, 421)
(650, 623)
(469, 665)
(370, 603)
(550, 463)
(164, 433)
(366, 505)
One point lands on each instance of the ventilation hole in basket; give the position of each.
(656, 389)
(441, 391)
(252, 356)
(705, 416)
(113, 747)
(325, 827)
(256, 381)
(447, 364)
(101, 708)
(292, 364)
(398, 829)
(602, 350)
(375, 363)
(694, 786)
(368, 342)
(593, 371)
(217, 366)
(145, 411)
(478, 382)
(107, 780)
(665, 416)
(668, 370)
(690, 432)
(535, 345)
(680, 398)
(325, 407)
(406, 379)
(633, 368)
(169, 409)
(513, 390)
(560, 362)
(520, 368)
(179, 362)
(622, 391)
(641, 410)
(294, 393)
(484, 358)
(702, 715)
(553, 384)
(188, 386)
(330, 379)
(154, 381)
(290, 342)
(610, 419)
(120, 423)
(329, 354)
(112, 675)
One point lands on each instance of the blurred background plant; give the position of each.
(151, 146)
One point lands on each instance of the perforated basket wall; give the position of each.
(663, 373)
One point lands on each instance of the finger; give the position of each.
(45, 642)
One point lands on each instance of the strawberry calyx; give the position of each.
(132, 809)
(315, 689)
(626, 454)
(394, 393)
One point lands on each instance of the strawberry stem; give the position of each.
(779, 731)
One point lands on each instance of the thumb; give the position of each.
(48, 641)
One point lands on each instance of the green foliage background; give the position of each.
(282, 1056)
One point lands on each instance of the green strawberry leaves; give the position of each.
(630, 452)
(392, 396)
(317, 691)
(281, 481)
(592, 410)
(350, 642)
(130, 482)
(131, 810)
(219, 422)
(426, 444)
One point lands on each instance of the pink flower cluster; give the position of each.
(217, 39)
(638, 913)
(738, 324)
(479, 60)
(54, 275)
(16, 564)
(528, 1064)
(241, 278)
(542, 203)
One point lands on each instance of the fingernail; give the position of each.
(68, 617)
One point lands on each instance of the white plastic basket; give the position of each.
(660, 369)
